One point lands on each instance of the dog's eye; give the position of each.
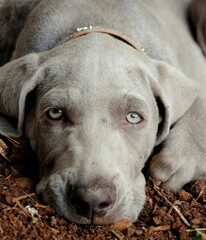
(134, 118)
(55, 113)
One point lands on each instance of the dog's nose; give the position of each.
(93, 200)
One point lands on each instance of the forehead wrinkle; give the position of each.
(137, 91)
(60, 97)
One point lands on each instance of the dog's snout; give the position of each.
(92, 201)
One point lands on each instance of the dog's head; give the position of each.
(93, 109)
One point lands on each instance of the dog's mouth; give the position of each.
(82, 212)
(87, 205)
(100, 200)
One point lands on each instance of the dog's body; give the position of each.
(97, 107)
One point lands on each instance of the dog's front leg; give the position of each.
(183, 156)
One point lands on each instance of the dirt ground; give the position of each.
(23, 215)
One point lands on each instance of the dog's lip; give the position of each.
(95, 220)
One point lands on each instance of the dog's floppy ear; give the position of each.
(174, 93)
(17, 79)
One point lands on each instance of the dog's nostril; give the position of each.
(104, 205)
(92, 201)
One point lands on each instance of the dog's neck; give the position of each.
(86, 30)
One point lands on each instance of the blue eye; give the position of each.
(55, 113)
(134, 118)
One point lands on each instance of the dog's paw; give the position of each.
(171, 169)
(183, 155)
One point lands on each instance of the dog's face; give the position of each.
(93, 129)
(93, 120)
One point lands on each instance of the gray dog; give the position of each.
(94, 105)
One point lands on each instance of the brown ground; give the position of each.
(166, 215)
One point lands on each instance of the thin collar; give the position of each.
(86, 30)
